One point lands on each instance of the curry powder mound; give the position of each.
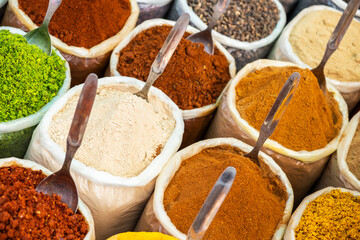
(310, 121)
(253, 208)
(335, 215)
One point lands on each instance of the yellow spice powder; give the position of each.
(310, 35)
(335, 215)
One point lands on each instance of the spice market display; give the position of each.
(145, 167)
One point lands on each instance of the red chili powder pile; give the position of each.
(81, 23)
(192, 78)
(253, 208)
(27, 214)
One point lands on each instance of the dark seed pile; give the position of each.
(244, 20)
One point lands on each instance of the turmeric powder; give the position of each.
(141, 236)
(310, 121)
(335, 215)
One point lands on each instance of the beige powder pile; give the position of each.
(353, 157)
(309, 38)
(123, 135)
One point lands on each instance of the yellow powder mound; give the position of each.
(310, 35)
(141, 236)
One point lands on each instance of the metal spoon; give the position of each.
(212, 204)
(204, 36)
(275, 114)
(61, 182)
(40, 36)
(164, 56)
(335, 40)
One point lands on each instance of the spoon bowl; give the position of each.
(165, 53)
(61, 183)
(40, 36)
(205, 36)
(276, 112)
(334, 41)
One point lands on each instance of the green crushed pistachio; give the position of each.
(29, 78)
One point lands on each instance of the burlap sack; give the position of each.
(196, 120)
(150, 9)
(243, 52)
(6, 162)
(154, 217)
(115, 202)
(337, 173)
(295, 218)
(283, 51)
(82, 61)
(302, 168)
(15, 135)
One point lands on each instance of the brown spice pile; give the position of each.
(310, 121)
(81, 23)
(252, 209)
(192, 78)
(353, 156)
(27, 214)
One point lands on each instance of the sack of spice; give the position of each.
(150, 9)
(30, 83)
(45, 215)
(331, 213)
(3, 4)
(141, 236)
(84, 32)
(247, 30)
(304, 40)
(127, 143)
(193, 79)
(307, 134)
(258, 199)
(337, 4)
(343, 169)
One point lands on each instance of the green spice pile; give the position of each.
(29, 78)
(244, 20)
(335, 215)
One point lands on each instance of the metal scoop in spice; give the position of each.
(164, 56)
(61, 182)
(40, 36)
(205, 36)
(212, 204)
(275, 114)
(334, 41)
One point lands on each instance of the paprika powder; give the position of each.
(192, 78)
(253, 208)
(81, 23)
(310, 121)
(27, 214)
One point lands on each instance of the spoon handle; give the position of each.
(166, 51)
(81, 117)
(220, 8)
(53, 5)
(212, 204)
(340, 30)
(276, 112)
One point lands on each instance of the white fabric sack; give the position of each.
(83, 61)
(197, 119)
(7, 162)
(150, 9)
(283, 51)
(302, 168)
(15, 135)
(243, 52)
(154, 217)
(295, 218)
(115, 202)
(337, 173)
